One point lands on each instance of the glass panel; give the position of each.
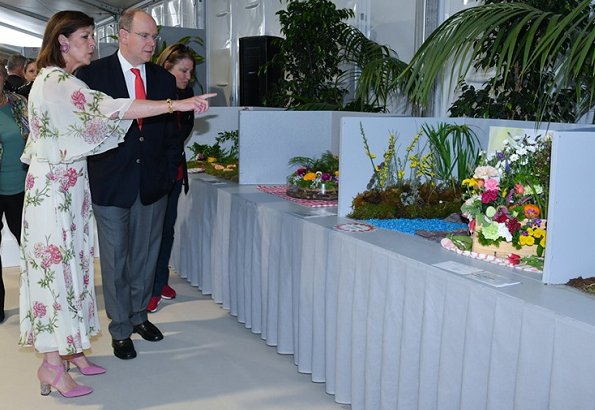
(157, 13)
(192, 13)
(173, 13)
(110, 32)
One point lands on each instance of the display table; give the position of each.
(368, 314)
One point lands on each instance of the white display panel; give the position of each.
(569, 251)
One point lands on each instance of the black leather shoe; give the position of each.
(148, 331)
(124, 349)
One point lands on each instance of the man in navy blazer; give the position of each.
(129, 184)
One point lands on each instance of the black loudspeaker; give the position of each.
(254, 53)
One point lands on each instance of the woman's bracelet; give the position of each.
(170, 106)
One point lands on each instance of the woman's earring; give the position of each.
(64, 48)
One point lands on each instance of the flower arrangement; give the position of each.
(219, 159)
(506, 198)
(315, 178)
(423, 180)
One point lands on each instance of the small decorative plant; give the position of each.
(315, 178)
(219, 159)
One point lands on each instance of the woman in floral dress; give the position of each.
(68, 122)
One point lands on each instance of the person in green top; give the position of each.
(13, 132)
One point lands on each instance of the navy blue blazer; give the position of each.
(146, 162)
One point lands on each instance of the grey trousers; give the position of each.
(129, 241)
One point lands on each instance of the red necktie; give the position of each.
(139, 91)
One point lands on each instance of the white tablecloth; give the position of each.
(369, 315)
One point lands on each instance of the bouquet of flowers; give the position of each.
(315, 178)
(506, 198)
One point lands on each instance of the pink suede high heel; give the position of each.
(46, 385)
(90, 370)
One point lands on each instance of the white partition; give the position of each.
(268, 139)
(570, 226)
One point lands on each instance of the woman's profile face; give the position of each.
(31, 71)
(182, 70)
(81, 46)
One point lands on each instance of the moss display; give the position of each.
(429, 201)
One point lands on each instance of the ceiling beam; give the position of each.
(24, 12)
(116, 11)
(21, 30)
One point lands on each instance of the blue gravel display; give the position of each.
(410, 226)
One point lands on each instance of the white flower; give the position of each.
(513, 158)
(504, 232)
(521, 151)
(486, 172)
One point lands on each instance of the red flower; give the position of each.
(514, 259)
(513, 225)
(501, 215)
(489, 196)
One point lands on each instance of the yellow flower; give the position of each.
(526, 240)
(211, 160)
(538, 232)
(337, 174)
(310, 176)
(470, 182)
(542, 242)
(377, 168)
(372, 155)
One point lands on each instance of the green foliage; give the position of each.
(322, 57)
(201, 152)
(455, 151)
(231, 154)
(327, 162)
(309, 54)
(540, 54)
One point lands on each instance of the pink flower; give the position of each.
(57, 306)
(54, 254)
(72, 176)
(29, 181)
(39, 310)
(472, 225)
(86, 280)
(480, 183)
(35, 125)
(519, 189)
(78, 99)
(69, 340)
(491, 184)
(95, 131)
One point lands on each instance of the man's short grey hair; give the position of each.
(15, 61)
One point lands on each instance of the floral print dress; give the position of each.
(68, 122)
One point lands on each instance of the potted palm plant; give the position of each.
(544, 48)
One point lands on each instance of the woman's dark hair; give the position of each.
(174, 53)
(63, 22)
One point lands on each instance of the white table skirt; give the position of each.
(368, 314)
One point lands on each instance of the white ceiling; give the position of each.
(31, 16)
